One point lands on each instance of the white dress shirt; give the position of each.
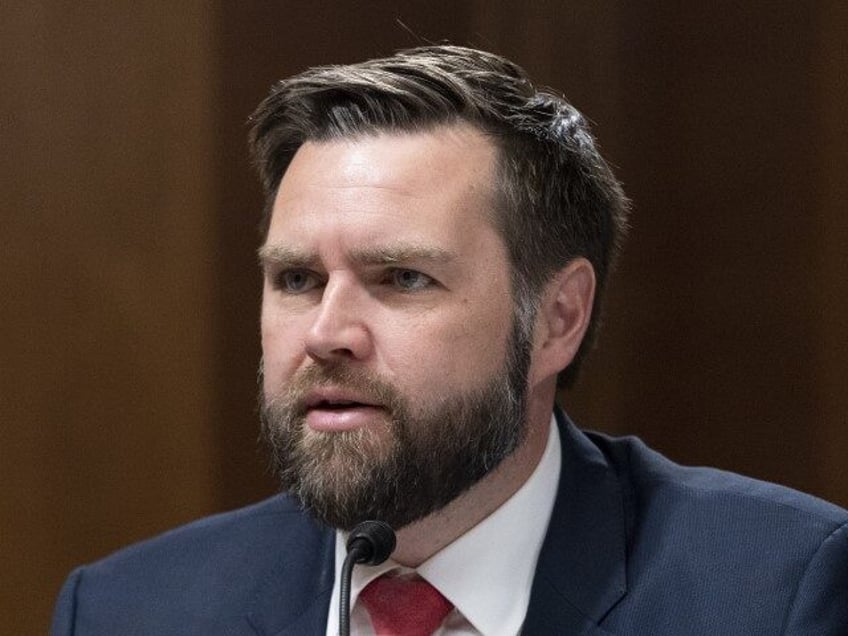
(487, 572)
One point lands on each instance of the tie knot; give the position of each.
(401, 606)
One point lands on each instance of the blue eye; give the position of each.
(410, 280)
(297, 281)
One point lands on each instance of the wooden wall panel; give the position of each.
(105, 384)
(831, 282)
(716, 328)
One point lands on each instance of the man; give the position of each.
(438, 234)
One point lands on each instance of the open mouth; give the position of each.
(336, 399)
(335, 405)
(338, 410)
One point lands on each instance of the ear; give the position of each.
(563, 317)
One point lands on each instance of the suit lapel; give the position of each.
(293, 596)
(581, 571)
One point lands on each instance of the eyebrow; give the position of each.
(280, 255)
(284, 256)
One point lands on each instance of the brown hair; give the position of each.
(558, 198)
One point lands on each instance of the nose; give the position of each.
(339, 330)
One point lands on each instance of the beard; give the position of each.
(419, 457)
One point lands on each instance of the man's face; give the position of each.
(394, 376)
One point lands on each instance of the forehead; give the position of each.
(444, 176)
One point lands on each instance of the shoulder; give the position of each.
(651, 480)
(208, 569)
(230, 535)
(737, 550)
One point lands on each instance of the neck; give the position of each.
(418, 541)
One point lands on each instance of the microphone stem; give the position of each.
(344, 591)
(370, 542)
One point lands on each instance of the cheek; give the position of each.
(279, 351)
(445, 354)
(481, 345)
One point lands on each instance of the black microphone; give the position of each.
(370, 542)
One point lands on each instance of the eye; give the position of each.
(296, 281)
(410, 280)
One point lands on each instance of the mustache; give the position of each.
(370, 385)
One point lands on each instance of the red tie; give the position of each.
(404, 607)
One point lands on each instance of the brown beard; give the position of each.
(411, 464)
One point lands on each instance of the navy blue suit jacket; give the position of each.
(636, 545)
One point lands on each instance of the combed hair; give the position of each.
(557, 199)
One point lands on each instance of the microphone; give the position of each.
(371, 543)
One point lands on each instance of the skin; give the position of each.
(381, 255)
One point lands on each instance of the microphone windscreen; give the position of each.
(375, 541)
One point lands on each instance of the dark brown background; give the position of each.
(130, 293)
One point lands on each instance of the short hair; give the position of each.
(556, 197)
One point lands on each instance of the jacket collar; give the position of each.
(581, 571)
